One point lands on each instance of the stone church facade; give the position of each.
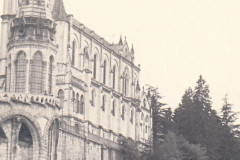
(65, 92)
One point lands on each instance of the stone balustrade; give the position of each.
(29, 98)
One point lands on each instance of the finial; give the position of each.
(132, 49)
(120, 41)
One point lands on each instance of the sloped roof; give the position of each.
(59, 13)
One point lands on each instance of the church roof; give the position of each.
(59, 12)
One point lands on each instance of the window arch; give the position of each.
(114, 77)
(85, 52)
(73, 52)
(147, 119)
(37, 74)
(125, 84)
(78, 103)
(61, 96)
(93, 97)
(113, 107)
(132, 114)
(95, 66)
(103, 102)
(73, 96)
(123, 112)
(50, 75)
(104, 71)
(21, 72)
(82, 105)
(144, 103)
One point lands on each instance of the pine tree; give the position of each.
(156, 107)
(183, 114)
(230, 145)
(197, 121)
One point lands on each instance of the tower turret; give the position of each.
(35, 8)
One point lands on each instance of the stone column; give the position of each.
(16, 125)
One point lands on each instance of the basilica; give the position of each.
(65, 92)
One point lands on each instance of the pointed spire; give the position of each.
(132, 49)
(120, 41)
(59, 12)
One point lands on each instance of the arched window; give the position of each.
(103, 102)
(93, 97)
(36, 86)
(61, 97)
(73, 96)
(142, 117)
(78, 103)
(104, 71)
(85, 52)
(82, 106)
(73, 52)
(114, 77)
(113, 108)
(131, 119)
(123, 112)
(21, 72)
(73, 102)
(50, 76)
(61, 94)
(144, 103)
(126, 86)
(95, 66)
(147, 119)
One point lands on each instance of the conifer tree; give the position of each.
(156, 107)
(197, 121)
(230, 145)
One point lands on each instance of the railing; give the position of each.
(77, 129)
(29, 98)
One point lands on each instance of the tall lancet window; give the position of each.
(21, 72)
(95, 67)
(50, 76)
(104, 71)
(78, 103)
(114, 77)
(82, 106)
(73, 52)
(103, 103)
(36, 82)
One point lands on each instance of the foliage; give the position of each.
(156, 107)
(177, 148)
(197, 121)
(129, 149)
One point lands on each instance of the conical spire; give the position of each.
(120, 41)
(59, 13)
(132, 49)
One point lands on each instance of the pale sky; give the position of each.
(174, 40)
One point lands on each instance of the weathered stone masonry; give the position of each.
(65, 92)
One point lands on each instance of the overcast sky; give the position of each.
(175, 41)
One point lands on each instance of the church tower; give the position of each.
(65, 92)
(28, 46)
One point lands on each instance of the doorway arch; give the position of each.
(23, 139)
